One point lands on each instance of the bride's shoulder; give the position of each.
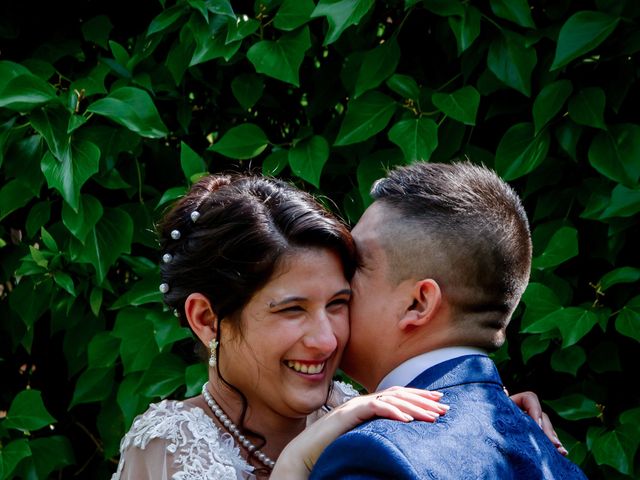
(163, 420)
(177, 439)
(345, 390)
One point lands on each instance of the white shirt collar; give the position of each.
(410, 369)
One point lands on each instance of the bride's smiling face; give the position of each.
(292, 334)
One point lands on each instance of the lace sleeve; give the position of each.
(340, 393)
(175, 441)
(152, 462)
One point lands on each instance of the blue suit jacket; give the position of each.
(483, 436)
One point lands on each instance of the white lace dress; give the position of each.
(179, 441)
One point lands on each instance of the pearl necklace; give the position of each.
(234, 430)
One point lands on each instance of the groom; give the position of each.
(445, 257)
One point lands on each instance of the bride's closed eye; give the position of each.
(338, 305)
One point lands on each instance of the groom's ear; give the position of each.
(426, 301)
(201, 317)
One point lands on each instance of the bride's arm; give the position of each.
(396, 403)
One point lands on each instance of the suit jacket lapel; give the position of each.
(458, 371)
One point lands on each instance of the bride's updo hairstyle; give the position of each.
(224, 238)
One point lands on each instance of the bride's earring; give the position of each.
(213, 345)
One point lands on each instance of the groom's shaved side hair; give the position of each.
(464, 227)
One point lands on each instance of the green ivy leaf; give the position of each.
(68, 176)
(167, 329)
(281, 58)
(572, 322)
(93, 385)
(110, 238)
(26, 92)
(549, 102)
(30, 300)
(540, 301)
(82, 221)
(130, 402)
(587, 107)
(134, 109)
(404, 85)
(461, 105)
(65, 281)
(377, 65)
(628, 320)
(27, 412)
(163, 377)
(574, 407)
(366, 116)
(375, 166)
(307, 158)
(568, 135)
(171, 194)
(221, 7)
(517, 11)
(142, 292)
(11, 454)
(520, 151)
(9, 71)
(624, 202)
(241, 142)
(581, 33)
(512, 61)
(52, 125)
(616, 449)
(532, 346)
(341, 14)
(247, 88)
(97, 30)
(240, 28)
(38, 216)
(103, 350)
(13, 195)
(49, 454)
(293, 14)
(417, 138)
(619, 275)
(138, 346)
(195, 376)
(568, 360)
(444, 8)
(166, 19)
(190, 161)
(110, 423)
(211, 43)
(465, 27)
(275, 162)
(615, 153)
(562, 247)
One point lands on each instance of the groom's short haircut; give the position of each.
(463, 226)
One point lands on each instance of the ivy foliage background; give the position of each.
(107, 115)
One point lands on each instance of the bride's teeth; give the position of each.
(304, 368)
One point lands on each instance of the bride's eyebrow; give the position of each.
(284, 301)
(345, 291)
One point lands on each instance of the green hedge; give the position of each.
(106, 115)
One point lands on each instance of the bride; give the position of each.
(260, 272)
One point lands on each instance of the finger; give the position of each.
(414, 397)
(529, 402)
(428, 394)
(418, 408)
(549, 431)
(382, 408)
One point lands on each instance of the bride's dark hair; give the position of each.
(244, 225)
